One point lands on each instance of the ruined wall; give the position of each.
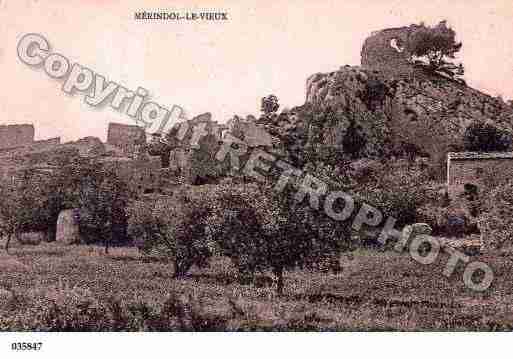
(249, 132)
(16, 135)
(384, 51)
(53, 152)
(141, 175)
(87, 146)
(45, 144)
(126, 137)
(193, 159)
(476, 171)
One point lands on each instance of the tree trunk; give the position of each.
(278, 272)
(106, 240)
(181, 268)
(178, 271)
(7, 243)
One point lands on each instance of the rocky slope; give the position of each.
(396, 106)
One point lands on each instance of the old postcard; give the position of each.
(223, 166)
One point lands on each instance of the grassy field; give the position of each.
(67, 288)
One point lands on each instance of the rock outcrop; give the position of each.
(68, 227)
(192, 146)
(390, 96)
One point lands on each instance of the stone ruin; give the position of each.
(12, 136)
(143, 175)
(384, 51)
(248, 131)
(128, 138)
(193, 159)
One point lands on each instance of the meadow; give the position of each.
(53, 287)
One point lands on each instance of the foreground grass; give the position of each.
(78, 288)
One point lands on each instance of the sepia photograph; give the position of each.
(285, 172)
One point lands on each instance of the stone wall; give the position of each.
(248, 131)
(384, 51)
(16, 135)
(142, 175)
(478, 172)
(126, 137)
(45, 144)
(87, 147)
(193, 159)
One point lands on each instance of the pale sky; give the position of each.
(221, 67)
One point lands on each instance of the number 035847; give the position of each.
(26, 346)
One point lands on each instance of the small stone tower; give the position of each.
(384, 51)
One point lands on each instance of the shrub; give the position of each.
(398, 192)
(354, 141)
(77, 309)
(481, 136)
(496, 220)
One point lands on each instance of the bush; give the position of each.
(398, 193)
(496, 220)
(481, 136)
(77, 309)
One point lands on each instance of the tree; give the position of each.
(160, 148)
(353, 141)
(100, 195)
(485, 137)
(269, 105)
(26, 204)
(10, 210)
(102, 199)
(435, 47)
(260, 229)
(175, 229)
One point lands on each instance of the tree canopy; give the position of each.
(269, 105)
(435, 47)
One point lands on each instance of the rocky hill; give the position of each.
(394, 105)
